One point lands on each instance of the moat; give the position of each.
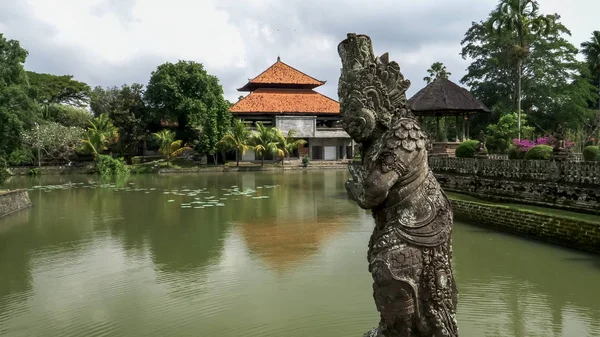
(252, 254)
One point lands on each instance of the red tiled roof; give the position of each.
(286, 101)
(281, 73)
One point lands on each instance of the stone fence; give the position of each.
(569, 172)
(568, 185)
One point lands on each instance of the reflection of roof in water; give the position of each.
(284, 244)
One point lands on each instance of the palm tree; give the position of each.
(591, 51)
(100, 135)
(437, 70)
(169, 147)
(520, 17)
(287, 144)
(265, 141)
(237, 139)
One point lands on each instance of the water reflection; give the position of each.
(122, 260)
(517, 287)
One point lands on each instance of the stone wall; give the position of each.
(13, 201)
(568, 185)
(579, 234)
(52, 170)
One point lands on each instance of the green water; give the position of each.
(121, 260)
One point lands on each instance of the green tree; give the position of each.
(4, 174)
(501, 134)
(100, 136)
(553, 89)
(49, 89)
(17, 110)
(265, 140)
(591, 50)
(237, 139)
(169, 147)
(129, 113)
(67, 115)
(522, 19)
(437, 70)
(185, 93)
(288, 143)
(103, 100)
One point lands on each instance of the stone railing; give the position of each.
(566, 172)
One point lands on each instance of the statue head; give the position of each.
(371, 89)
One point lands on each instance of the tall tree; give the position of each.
(100, 135)
(437, 70)
(237, 139)
(554, 91)
(17, 110)
(265, 140)
(522, 19)
(49, 89)
(185, 93)
(288, 143)
(591, 50)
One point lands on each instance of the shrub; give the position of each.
(305, 161)
(4, 174)
(107, 166)
(515, 153)
(539, 152)
(21, 156)
(467, 149)
(591, 153)
(34, 172)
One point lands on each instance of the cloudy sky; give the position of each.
(111, 42)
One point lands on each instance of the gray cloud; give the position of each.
(305, 33)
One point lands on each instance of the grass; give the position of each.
(528, 208)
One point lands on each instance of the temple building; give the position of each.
(283, 97)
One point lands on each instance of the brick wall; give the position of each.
(579, 234)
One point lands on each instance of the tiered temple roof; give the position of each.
(283, 89)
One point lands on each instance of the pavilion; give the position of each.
(444, 98)
(283, 96)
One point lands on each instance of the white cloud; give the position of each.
(111, 42)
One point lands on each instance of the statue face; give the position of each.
(359, 122)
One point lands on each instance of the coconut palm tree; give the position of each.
(437, 70)
(100, 135)
(521, 18)
(287, 144)
(264, 141)
(591, 50)
(169, 147)
(237, 139)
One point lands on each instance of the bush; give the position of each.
(34, 172)
(539, 152)
(21, 156)
(107, 166)
(467, 149)
(4, 174)
(515, 153)
(305, 161)
(591, 153)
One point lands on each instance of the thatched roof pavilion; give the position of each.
(443, 97)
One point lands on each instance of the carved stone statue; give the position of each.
(481, 150)
(410, 249)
